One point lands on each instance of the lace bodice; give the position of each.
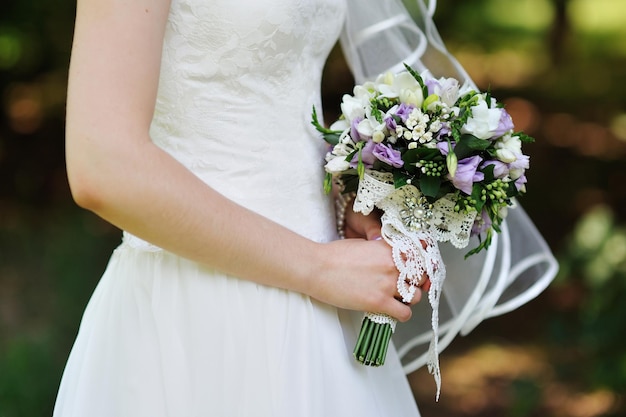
(238, 81)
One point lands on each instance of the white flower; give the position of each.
(402, 86)
(354, 107)
(369, 128)
(515, 173)
(505, 155)
(413, 97)
(337, 165)
(435, 126)
(343, 149)
(386, 78)
(447, 89)
(509, 142)
(341, 124)
(483, 122)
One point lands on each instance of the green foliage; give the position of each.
(56, 258)
(29, 378)
(595, 261)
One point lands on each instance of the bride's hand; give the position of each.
(368, 227)
(359, 226)
(360, 275)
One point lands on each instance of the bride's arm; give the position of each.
(116, 171)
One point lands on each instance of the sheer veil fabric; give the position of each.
(380, 36)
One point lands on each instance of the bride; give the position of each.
(188, 126)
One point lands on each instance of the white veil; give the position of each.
(379, 36)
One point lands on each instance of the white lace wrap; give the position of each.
(413, 228)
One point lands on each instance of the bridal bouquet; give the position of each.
(441, 161)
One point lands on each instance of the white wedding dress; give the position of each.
(164, 336)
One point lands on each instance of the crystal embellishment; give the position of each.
(416, 213)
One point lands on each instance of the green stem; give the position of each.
(371, 346)
(361, 344)
(385, 346)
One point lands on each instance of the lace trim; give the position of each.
(413, 227)
(379, 318)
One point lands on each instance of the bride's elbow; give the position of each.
(86, 174)
(85, 191)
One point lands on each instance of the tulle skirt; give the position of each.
(164, 336)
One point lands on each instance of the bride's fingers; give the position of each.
(417, 297)
(361, 226)
(423, 286)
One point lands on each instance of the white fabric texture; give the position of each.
(163, 336)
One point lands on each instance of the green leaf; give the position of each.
(488, 171)
(330, 136)
(399, 180)
(350, 181)
(360, 167)
(477, 192)
(524, 138)
(469, 145)
(430, 185)
(378, 115)
(328, 183)
(511, 190)
(418, 78)
(411, 156)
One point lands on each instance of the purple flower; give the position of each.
(445, 130)
(432, 85)
(391, 124)
(447, 89)
(404, 110)
(521, 162)
(482, 223)
(367, 156)
(466, 174)
(354, 133)
(504, 125)
(520, 183)
(443, 147)
(388, 155)
(500, 169)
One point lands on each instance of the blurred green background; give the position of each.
(560, 67)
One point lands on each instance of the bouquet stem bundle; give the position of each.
(373, 342)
